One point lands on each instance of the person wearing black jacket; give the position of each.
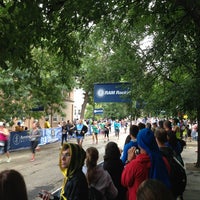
(113, 164)
(75, 186)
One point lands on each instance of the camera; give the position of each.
(137, 151)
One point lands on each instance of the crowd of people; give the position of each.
(141, 169)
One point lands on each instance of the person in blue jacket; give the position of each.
(133, 142)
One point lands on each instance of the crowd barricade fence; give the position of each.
(21, 140)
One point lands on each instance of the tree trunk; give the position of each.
(198, 93)
(86, 96)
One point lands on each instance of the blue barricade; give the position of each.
(21, 140)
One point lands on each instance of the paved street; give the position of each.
(44, 173)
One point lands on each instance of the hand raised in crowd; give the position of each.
(131, 154)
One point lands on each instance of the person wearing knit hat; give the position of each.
(148, 164)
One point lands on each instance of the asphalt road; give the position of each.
(44, 172)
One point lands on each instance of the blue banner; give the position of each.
(21, 140)
(112, 92)
(98, 111)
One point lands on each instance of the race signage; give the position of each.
(112, 92)
(98, 111)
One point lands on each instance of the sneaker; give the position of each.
(32, 160)
(8, 160)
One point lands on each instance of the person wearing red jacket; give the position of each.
(147, 164)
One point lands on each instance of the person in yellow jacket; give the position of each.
(47, 124)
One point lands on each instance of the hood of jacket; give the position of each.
(77, 159)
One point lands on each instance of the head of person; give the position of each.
(92, 156)
(12, 185)
(19, 123)
(148, 125)
(141, 125)
(160, 124)
(72, 158)
(35, 124)
(167, 125)
(154, 124)
(112, 151)
(134, 131)
(80, 121)
(152, 189)
(160, 135)
(147, 144)
(1, 124)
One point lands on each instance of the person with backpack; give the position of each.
(173, 142)
(178, 176)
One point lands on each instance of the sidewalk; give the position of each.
(189, 155)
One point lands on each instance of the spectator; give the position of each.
(154, 126)
(133, 142)
(153, 190)
(188, 131)
(169, 154)
(75, 185)
(97, 177)
(12, 185)
(114, 166)
(172, 141)
(46, 123)
(148, 164)
(141, 125)
(4, 140)
(19, 127)
(160, 124)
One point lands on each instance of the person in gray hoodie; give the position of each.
(97, 177)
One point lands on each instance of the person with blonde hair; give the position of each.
(35, 136)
